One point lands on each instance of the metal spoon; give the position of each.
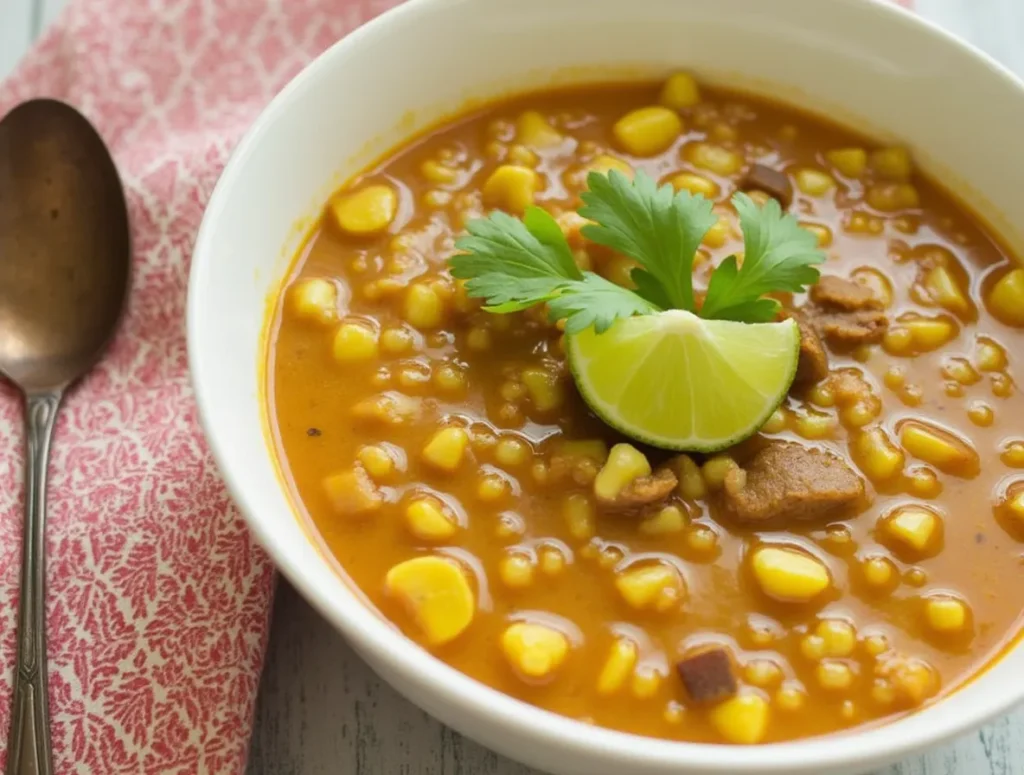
(64, 266)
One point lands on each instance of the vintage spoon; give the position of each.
(64, 265)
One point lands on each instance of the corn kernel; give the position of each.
(516, 571)
(534, 651)
(446, 448)
(546, 390)
(789, 575)
(790, 698)
(691, 481)
(352, 492)
(377, 461)
(428, 521)
(762, 673)
(890, 197)
(876, 644)
(388, 408)
(1002, 386)
(989, 355)
(423, 307)
(674, 713)
(1012, 454)
(354, 342)
(534, 130)
(834, 676)
(1006, 298)
(437, 173)
(696, 185)
(314, 299)
(882, 692)
(551, 560)
(512, 188)
(945, 290)
(981, 414)
(396, 341)
(939, 448)
(813, 182)
(645, 683)
(879, 572)
(811, 424)
(714, 158)
(715, 469)
(876, 282)
(511, 452)
(822, 233)
(580, 516)
(742, 719)
(892, 163)
(605, 163)
(492, 487)
(647, 131)
(913, 526)
(680, 91)
(877, 456)
(946, 614)
(669, 519)
(368, 211)
(624, 465)
(839, 637)
(718, 234)
(618, 666)
(657, 587)
(702, 539)
(436, 594)
(850, 162)
(813, 647)
(913, 680)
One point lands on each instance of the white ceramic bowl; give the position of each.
(863, 62)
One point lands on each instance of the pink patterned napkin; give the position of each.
(158, 597)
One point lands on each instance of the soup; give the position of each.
(842, 566)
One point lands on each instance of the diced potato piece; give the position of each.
(354, 342)
(511, 187)
(669, 519)
(877, 456)
(533, 130)
(1006, 298)
(940, 448)
(618, 666)
(314, 299)
(680, 91)
(534, 651)
(436, 594)
(946, 614)
(890, 197)
(715, 158)
(789, 575)
(516, 570)
(892, 163)
(742, 719)
(647, 131)
(429, 521)
(814, 182)
(915, 527)
(625, 464)
(352, 492)
(377, 461)
(946, 291)
(580, 516)
(545, 389)
(367, 211)
(446, 448)
(604, 164)
(850, 162)
(695, 184)
(656, 587)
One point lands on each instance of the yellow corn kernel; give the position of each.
(892, 163)
(674, 713)
(914, 680)
(789, 575)
(939, 448)
(389, 408)
(813, 647)
(314, 299)
(551, 560)
(680, 91)
(647, 131)
(702, 539)
(762, 673)
(876, 282)
(879, 572)
(691, 481)
(812, 424)
(877, 456)
(1012, 454)
(352, 492)
(645, 683)
(435, 593)
(511, 187)
(882, 692)
(669, 519)
(890, 197)
(657, 587)
(716, 468)
(492, 487)
(534, 651)
(423, 308)
(1015, 506)
(822, 233)
(850, 162)
(365, 212)
(1002, 385)
(428, 521)
(511, 452)
(1006, 298)
(813, 182)
(354, 342)
(617, 667)
(624, 465)
(446, 448)
(718, 234)
(545, 389)
(396, 341)
(438, 173)
(946, 614)
(913, 526)
(604, 164)
(839, 637)
(516, 570)
(522, 156)
(946, 291)
(989, 355)
(696, 185)
(580, 516)
(534, 130)
(981, 414)
(742, 719)
(834, 676)
(913, 335)
(377, 461)
(790, 698)
(714, 158)
(876, 644)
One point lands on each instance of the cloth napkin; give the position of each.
(158, 598)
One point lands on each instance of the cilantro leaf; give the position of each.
(594, 301)
(656, 227)
(778, 256)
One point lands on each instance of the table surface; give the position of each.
(322, 710)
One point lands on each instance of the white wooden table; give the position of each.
(323, 712)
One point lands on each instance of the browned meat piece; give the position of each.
(773, 182)
(813, 364)
(786, 479)
(832, 291)
(644, 491)
(866, 326)
(708, 675)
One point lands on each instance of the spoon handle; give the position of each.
(28, 751)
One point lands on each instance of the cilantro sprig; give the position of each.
(513, 264)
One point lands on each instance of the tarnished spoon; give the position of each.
(64, 265)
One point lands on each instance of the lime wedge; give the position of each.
(676, 381)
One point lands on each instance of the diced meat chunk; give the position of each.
(789, 480)
(643, 491)
(773, 182)
(866, 326)
(708, 675)
(813, 363)
(832, 291)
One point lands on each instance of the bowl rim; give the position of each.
(368, 632)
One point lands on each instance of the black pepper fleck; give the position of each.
(314, 432)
